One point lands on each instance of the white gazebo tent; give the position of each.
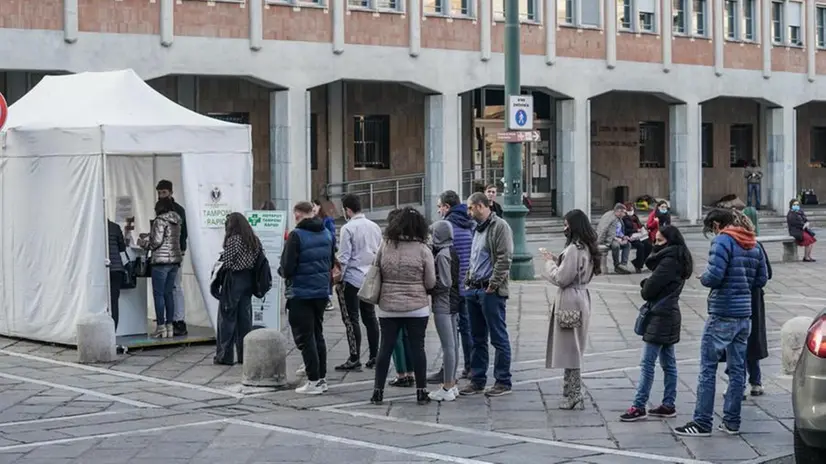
(73, 146)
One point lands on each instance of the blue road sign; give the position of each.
(521, 117)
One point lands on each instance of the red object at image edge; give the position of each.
(4, 111)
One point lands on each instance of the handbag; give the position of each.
(569, 318)
(642, 319)
(370, 291)
(143, 266)
(128, 278)
(216, 278)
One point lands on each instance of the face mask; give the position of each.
(663, 210)
(795, 207)
(658, 248)
(567, 232)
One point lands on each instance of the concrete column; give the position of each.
(256, 24)
(550, 32)
(685, 164)
(187, 90)
(415, 29)
(486, 21)
(811, 41)
(781, 180)
(336, 165)
(766, 38)
(442, 149)
(70, 24)
(573, 146)
(667, 33)
(167, 22)
(339, 8)
(289, 157)
(17, 84)
(719, 39)
(610, 33)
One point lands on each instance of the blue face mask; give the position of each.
(663, 210)
(795, 207)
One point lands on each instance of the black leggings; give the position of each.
(356, 307)
(416, 328)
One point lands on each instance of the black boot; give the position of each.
(422, 396)
(378, 397)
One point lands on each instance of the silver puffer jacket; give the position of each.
(165, 239)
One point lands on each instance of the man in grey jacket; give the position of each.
(487, 279)
(753, 177)
(610, 233)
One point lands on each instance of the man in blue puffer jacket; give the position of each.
(454, 211)
(736, 266)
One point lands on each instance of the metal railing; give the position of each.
(378, 194)
(475, 180)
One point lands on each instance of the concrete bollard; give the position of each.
(792, 339)
(265, 359)
(789, 252)
(603, 258)
(96, 338)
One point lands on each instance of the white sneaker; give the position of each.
(301, 370)
(323, 384)
(441, 394)
(311, 388)
(455, 391)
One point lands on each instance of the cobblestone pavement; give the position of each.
(173, 406)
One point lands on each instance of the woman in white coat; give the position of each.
(568, 332)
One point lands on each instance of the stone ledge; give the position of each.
(782, 458)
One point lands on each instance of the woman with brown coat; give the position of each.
(568, 332)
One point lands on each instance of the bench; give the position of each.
(604, 251)
(789, 245)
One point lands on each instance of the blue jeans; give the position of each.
(464, 333)
(486, 312)
(668, 361)
(753, 196)
(730, 335)
(753, 371)
(163, 292)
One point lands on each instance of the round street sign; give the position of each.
(4, 111)
(521, 117)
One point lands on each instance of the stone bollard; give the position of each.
(789, 252)
(603, 258)
(96, 338)
(265, 359)
(792, 339)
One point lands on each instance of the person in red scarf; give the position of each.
(638, 237)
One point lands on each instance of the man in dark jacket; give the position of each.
(452, 210)
(491, 191)
(164, 190)
(117, 245)
(736, 266)
(305, 266)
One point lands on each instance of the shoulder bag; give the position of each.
(370, 290)
(570, 318)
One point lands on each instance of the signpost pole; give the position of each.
(514, 211)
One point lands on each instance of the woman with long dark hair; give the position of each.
(164, 244)
(568, 333)
(671, 265)
(408, 273)
(659, 217)
(241, 250)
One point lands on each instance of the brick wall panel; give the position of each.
(647, 48)
(580, 43)
(202, 19)
(531, 38)
(692, 51)
(31, 14)
(820, 62)
(789, 59)
(743, 56)
(119, 17)
(367, 28)
(455, 34)
(305, 24)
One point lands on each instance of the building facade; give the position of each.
(401, 99)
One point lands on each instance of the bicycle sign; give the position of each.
(520, 112)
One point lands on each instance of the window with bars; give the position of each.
(678, 21)
(313, 141)
(377, 5)
(590, 13)
(730, 24)
(741, 145)
(527, 10)
(700, 20)
(820, 21)
(456, 8)
(565, 12)
(624, 14)
(794, 18)
(777, 22)
(707, 145)
(652, 144)
(371, 141)
(748, 20)
(818, 147)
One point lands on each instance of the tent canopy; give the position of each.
(72, 142)
(113, 112)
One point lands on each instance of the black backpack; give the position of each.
(261, 276)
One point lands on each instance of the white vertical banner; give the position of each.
(269, 226)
